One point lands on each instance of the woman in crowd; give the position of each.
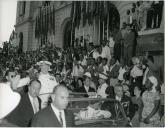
(151, 102)
(137, 101)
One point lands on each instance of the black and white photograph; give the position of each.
(82, 63)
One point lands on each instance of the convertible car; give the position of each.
(93, 112)
(96, 112)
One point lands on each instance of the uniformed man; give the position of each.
(48, 82)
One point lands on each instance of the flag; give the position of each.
(53, 24)
(101, 10)
(49, 14)
(39, 24)
(72, 10)
(41, 16)
(78, 13)
(36, 27)
(51, 19)
(47, 20)
(84, 13)
(105, 12)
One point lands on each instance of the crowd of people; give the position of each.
(44, 79)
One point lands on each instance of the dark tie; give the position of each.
(60, 116)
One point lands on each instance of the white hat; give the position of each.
(102, 76)
(8, 99)
(43, 62)
(88, 74)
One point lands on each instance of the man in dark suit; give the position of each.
(55, 115)
(114, 68)
(129, 40)
(28, 106)
(122, 98)
(87, 85)
(113, 71)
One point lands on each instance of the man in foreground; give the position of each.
(29, 104)
(55, 115)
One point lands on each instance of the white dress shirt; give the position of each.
(96, 54)
(57, 113)
(105, 68)
(101, 90)
(34, 105)
(106, 52)
(136, 71)
(121, 73)
(118, 98)
(86, 88)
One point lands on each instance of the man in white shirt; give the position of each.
(48, 82)
(96, 53)
(55, 115)
(106, 51)
(105, 65)
(111, 43)
(103, 86)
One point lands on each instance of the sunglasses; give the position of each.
(12, 76)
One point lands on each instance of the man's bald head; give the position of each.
(60, 97)
(59, 86)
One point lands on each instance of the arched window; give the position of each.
(20, 49)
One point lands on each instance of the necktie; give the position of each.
(60, 117)
(35, 105)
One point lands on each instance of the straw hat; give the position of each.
(8, 99)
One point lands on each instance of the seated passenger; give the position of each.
(86, 88)
(122, 98)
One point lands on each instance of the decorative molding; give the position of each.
(29, 19)
(153, 42)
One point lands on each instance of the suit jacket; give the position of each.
(82, 89)
(129, 39)
(23, 113)
(47, 118)
(5, 123)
